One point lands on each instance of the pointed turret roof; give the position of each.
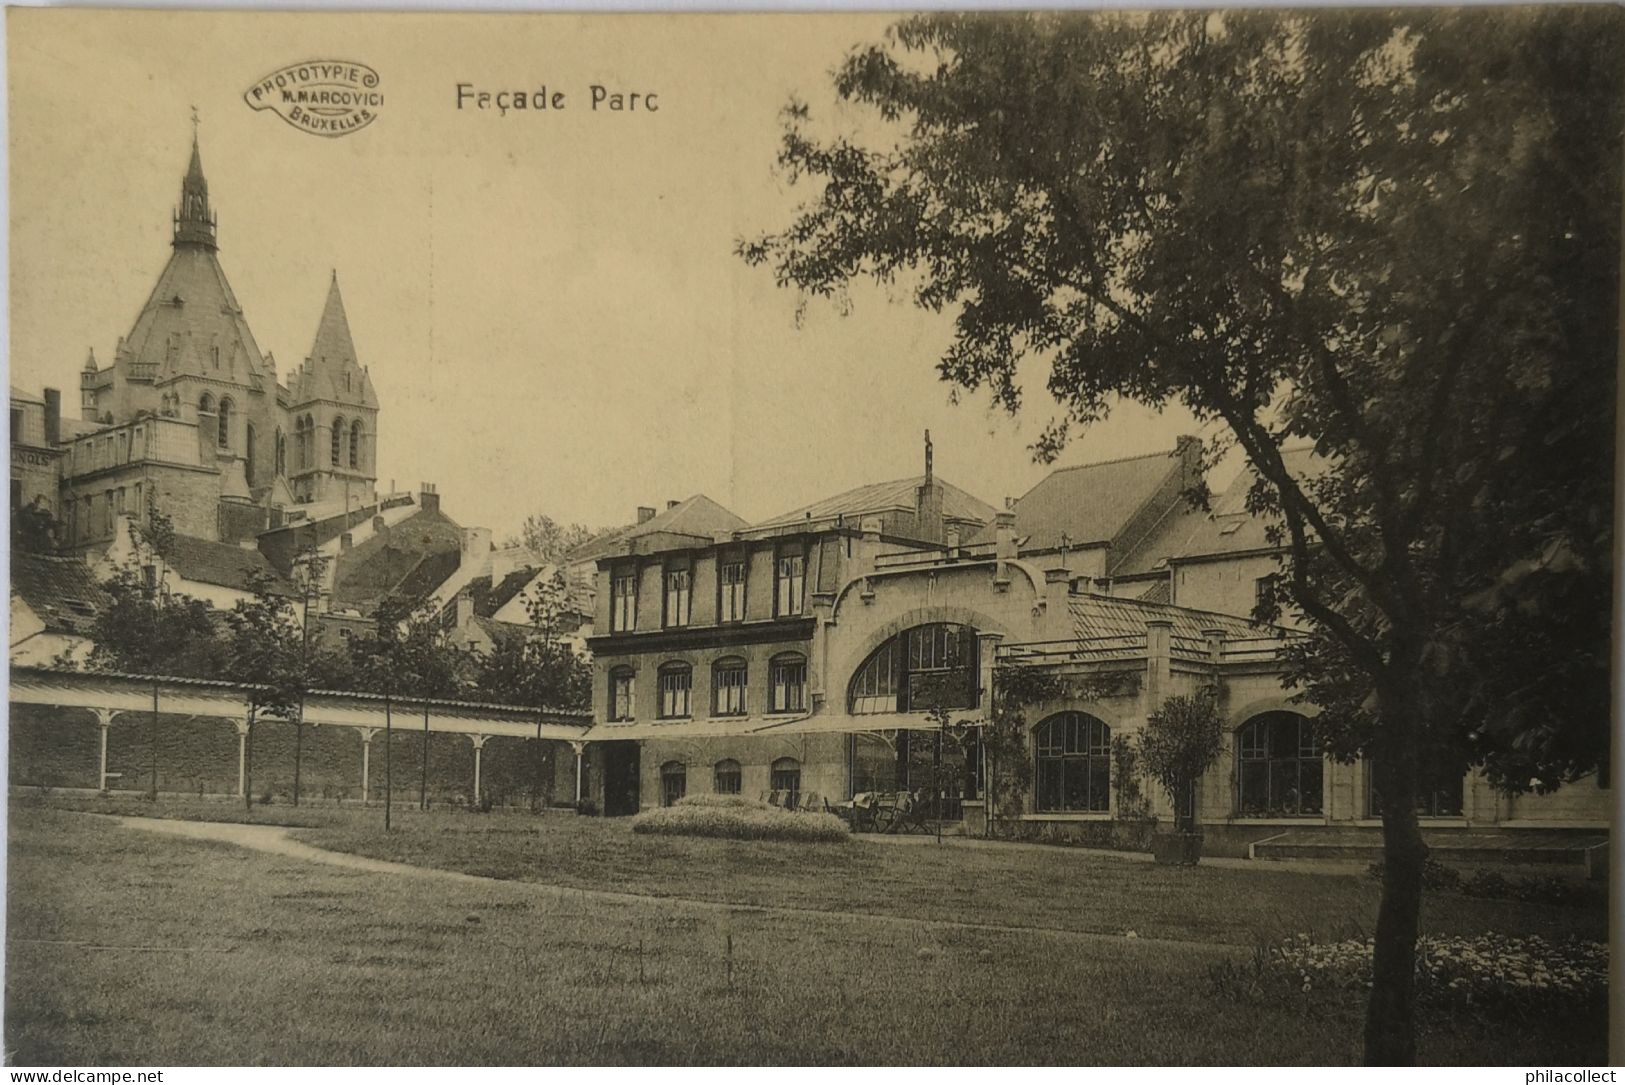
(194, 223)
(331, 371)
(192, 318)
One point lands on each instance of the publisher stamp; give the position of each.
(329, 98)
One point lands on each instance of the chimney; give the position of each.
(871, 529)
(428, 497)
(53, 417)
(1059, 572)
(673, 504)
(1004, 536)
(1189, 451)
(377, 524)
(346, 541)
(645, 514)
(928, 502)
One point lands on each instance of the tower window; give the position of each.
(337, 441)
(355, 444)
(224, 424)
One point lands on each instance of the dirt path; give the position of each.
(276, 840)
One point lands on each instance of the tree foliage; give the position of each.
(1394, 235)
(548, 539)
(538, 667)
(1180, 742)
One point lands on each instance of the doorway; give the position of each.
(621, 774)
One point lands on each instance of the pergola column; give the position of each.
(366, 762)
(479, 744)
(104, 720)
(242, 756)
(580, 748)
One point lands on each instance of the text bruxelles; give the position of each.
(600, 99)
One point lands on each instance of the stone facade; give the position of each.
(191, 416)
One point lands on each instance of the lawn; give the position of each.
(130, 947)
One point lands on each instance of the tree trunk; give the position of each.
(298, 749)
(1390, 1023)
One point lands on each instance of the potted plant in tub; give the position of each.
(1181, 742)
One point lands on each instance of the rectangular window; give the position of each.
(621, 705)
(675, 688)
(16, 494)
(623, 603)
(788, 680)
(731, 603)
(679, 596)
(728, 690)
(791, 581)
(16, 424)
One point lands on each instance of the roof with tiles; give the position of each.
(1092, 503)
(1231, 529)
(878, 497)
(223, 564)
(331, 371)
(698, 517)
(1109, 616)
(62, 592)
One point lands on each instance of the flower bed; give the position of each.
(740, 819)
(1477, 971)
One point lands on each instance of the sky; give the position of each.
(548, 302)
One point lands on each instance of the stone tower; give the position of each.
(334, 413)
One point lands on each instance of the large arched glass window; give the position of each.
(787, 683)
(929, 666)
(1074, 764)
(1438, 790)
(223, 423)
(337, 442)
(355, 444)
(248, 453)
(673, 782)
(676, 688)
(281, 452)
(622, 704)
(205, 404)
(307, 447)
(1279, 770)
(728, 684)
(728, 778)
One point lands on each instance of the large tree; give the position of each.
(1393, 234)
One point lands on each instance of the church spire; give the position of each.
(194, 223)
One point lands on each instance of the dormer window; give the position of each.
(623, 602)
(790, 583)
(679, 597)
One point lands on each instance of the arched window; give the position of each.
(787, 683)
(673, 782)
(1074, 764)
(248, 453)
(281, 452)
(929, 666)
(205, 404)
(355, 444)
(307, 446)
(786, 777)
(1279, 766)
(622, 705)
(223, 426)
(676, 686)
(728, 777)
(337, 441)
(728, 683)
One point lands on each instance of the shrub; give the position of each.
(1435, 875)
(1455, 971)
(739, 819)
